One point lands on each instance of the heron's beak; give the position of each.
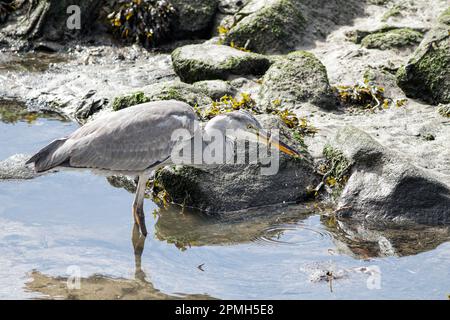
(269, 140)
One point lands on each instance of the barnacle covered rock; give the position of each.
(427, 73)
(199, 62)
(384, 185)
(396, 38)
(267, 26)
(297, 78)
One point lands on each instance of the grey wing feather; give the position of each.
(128, 140)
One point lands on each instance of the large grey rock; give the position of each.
(268, 26)
(200, 62)
(297, 78)
(194, 16)
(384, 185)
(427, 73)
(225, 188)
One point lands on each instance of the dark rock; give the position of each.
(385, 185)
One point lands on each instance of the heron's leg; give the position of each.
(138, 205)
(138, 241)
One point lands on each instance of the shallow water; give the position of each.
(70, 223)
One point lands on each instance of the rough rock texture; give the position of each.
(47, 19)
(384, 185)
(297, 78)
(227, 188)
(169, 90)
(427, 73)
(194, 63)
(14, 168)
(216, 88)
(194, 16)
(396, 38)
(268, 26)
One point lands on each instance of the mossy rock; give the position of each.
(427, 74)
(396, 38)
(268, 26)
(200, 62)
(170, 90)
(297, 78)
(195, 17)
(129, 100)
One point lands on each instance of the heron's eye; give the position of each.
(249, 126)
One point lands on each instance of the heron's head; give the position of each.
(243, 125)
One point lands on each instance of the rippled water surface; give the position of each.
(72, 223)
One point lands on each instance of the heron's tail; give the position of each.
(45, 159)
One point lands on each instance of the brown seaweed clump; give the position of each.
(147, 22)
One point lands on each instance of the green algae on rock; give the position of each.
(395, 38)
(129, 100)
(170, 90)
(427, 74)
(200, 62)
(267, 26)
(296, 78)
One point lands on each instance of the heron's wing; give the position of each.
(128, 141)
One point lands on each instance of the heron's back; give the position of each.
(131, 139)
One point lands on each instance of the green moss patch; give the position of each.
(396, 38)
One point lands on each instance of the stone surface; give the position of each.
(200, 62)
(427, 73)
(14, 168)
(216, 88)
(396, 38)
(297, 78)
(194, 16)
(268, 26)
(385, 185)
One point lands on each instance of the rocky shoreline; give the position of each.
(363, 85)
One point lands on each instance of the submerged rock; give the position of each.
(396, 38)
(231, 187)
(427, 73)
(297, 78)
(267, 26)
(14, 168)
(384, 185)
(200, 62)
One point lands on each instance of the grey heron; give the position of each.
(136, 141)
